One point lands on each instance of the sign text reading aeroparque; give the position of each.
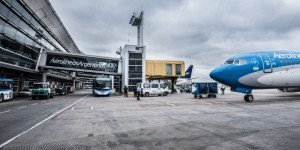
(87, 63)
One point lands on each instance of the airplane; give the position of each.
(260, 70)
(186, 80)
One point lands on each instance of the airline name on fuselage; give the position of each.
(286, 55)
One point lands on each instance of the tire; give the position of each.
(249, 98)
(195, 96)
(1, 97)
(51, 95)
(147, 94)
(159, 94)
(33, 97)
(200, 96)
(48, 96)
(165, 94)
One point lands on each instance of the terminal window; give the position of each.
(135, 56)
(135, 69)
(135, 62)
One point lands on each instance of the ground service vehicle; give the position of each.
(41, 89)
(102, 86)
(6, 91)
(154, 89)
(205, 89)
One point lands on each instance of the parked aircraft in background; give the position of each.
(260, 70)
(186, 80)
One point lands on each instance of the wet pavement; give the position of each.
(177, 121)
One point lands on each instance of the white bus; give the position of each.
(6, 89)
(102, 86)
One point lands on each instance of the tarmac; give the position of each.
(173, 122)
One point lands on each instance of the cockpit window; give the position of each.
(240, 62)
(229, 61)
(236, 62)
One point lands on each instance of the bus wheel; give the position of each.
(1, 97)
(147, 94)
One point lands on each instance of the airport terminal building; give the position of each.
(28, 27)
(35, 46)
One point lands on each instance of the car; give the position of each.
(62, 90)
(41, 89)
(25, 92)
(154, 89)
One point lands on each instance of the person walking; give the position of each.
(125, 91)
(223, 89)
(134, 91)
(138, 91)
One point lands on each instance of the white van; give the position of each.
(154, 89)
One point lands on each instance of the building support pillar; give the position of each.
(74, 84)
(44, 77)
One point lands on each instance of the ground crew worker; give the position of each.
(134, 91)
(223, 89)
(125, 91)
(138, 91)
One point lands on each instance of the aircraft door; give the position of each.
(266, 61)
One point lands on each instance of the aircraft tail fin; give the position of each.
(188, 72)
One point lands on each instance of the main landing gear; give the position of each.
(249, 98)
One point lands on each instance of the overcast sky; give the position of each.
(204, 33)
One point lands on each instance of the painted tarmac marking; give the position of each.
(5, 112)
(34, 104)
(92, 107)
(54, 115)
(72, 108)
(22, 107)
(170, 104)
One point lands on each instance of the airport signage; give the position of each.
(82, 63)
(90, 75)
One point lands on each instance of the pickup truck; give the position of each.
(41, 89)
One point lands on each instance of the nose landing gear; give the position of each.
(249, 98)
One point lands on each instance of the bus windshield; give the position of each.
(101, 84)
(5, 85)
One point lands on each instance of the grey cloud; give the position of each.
(201, 32)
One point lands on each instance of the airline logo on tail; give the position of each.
(188, 72)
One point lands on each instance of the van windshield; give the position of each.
(37, 86)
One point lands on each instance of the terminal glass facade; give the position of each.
(26, 28)
(20, 44)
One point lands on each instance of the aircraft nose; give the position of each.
(217, 74)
